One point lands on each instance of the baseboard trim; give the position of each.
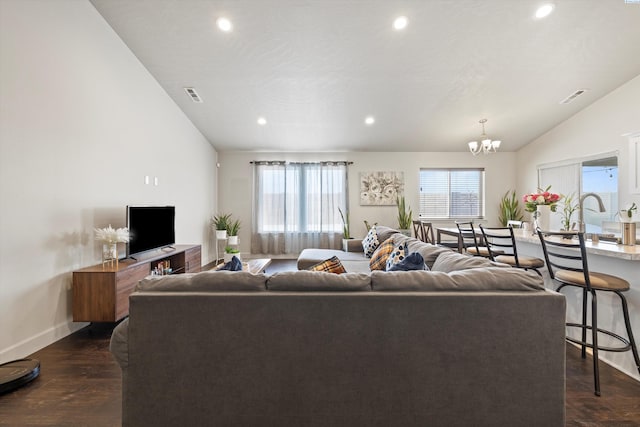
(39, 341)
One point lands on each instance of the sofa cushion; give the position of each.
(318, 281)
(398, 254)
(428, 251)
(207, 281)
(379, 258)
(413, 261)
(371, 242)
(481, 280)
(454, 261)
(331, 265)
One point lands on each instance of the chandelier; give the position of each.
(486, 145)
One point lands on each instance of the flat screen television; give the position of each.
(150, 227)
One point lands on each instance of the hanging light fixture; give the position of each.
(486, 145)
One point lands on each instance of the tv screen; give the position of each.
(150, 227)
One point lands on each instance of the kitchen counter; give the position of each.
(603, 248)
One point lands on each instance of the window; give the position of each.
(296, 206)
(452, 193)
(596, 174)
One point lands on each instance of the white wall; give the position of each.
(81, 123)
(594, 130)
(236, 178)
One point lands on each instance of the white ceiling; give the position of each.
(316, 68)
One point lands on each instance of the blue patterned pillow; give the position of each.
(371, 242)
(413, 261)
(398, 254)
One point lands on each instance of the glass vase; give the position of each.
(543, 215)
(109, 253)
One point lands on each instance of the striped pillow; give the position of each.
(379, 258)
(332, 265)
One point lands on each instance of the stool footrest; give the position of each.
(625, 341)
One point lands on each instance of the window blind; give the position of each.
(452, 193)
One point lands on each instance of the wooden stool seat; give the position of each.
(527, 262)
(599, 281)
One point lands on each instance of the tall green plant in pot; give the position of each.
(405, 217)
(509, 208)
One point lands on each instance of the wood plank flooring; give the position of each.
(80, 385)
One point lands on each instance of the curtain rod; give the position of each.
(282, 162)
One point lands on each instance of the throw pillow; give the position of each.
(413, 261)
(332, 265)
(234, 265)
(398, 254)
(371, 242)
(379, 258)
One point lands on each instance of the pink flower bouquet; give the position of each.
(543, 197)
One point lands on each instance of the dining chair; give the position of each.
(423, 231)
(469, 239)
(501, 243)
(566, 257)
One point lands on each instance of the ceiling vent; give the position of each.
(573, 96)
(193, 95)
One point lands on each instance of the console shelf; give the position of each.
(101, 293)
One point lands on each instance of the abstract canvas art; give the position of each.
(381, 188)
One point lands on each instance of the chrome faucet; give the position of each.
(581, 226)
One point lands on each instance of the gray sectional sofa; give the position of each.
(467, 343)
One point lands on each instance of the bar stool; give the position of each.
(501, 243)
(567, 264)
(423, 231)
(469, 240)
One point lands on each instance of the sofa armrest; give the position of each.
(352, 245)
(119, 345)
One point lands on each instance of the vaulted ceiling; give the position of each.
(315, 69)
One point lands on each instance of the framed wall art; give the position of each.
(381, 188)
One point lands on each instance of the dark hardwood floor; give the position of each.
(80, 385)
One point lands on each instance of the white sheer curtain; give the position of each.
(295, 206)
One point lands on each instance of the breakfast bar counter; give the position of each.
(603, 248)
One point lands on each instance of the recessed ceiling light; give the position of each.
(224, 24)
(262, 121)
(400, 23)
(369, 120)
(544, 10)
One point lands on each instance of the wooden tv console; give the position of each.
(101, 293)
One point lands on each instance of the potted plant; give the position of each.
(220, 223)
(345, 224)
(509, 208)
(626, 215)
(405, 217)
(569, 206)
(229, 252)
(233, 227)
